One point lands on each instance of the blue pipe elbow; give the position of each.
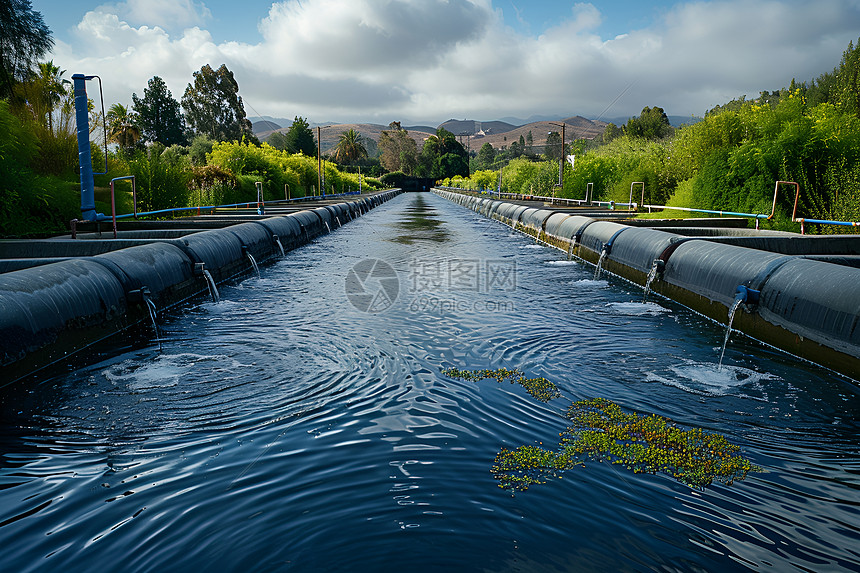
(747, 295)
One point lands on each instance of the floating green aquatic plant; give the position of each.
(527, 465)
(539, 388)
(601, 430)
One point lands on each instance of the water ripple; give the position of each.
(285, 428)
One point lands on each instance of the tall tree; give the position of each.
(486, 156)
(652, 123)
(553, 147)
(300, 138)
(42, 92)
(518, 148)
(350, 147)
(848, 79)
(122, 127)
(443, 156)
(158, 114)
(277, 140)
(214, 107)
(611, 132)
(399, 151)
(24, 39)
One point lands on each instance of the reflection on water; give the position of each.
(419, 222)
(286, 428)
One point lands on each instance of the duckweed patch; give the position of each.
(600, 430)
(539, 388)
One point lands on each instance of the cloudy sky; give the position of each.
(431, 60)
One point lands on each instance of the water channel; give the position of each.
(303, 423)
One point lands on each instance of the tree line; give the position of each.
(197, 150)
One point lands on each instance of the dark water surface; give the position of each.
(288, 428)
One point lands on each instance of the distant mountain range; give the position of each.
(498, 133)
(470, 126)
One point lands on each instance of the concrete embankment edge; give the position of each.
(50, 311)
(809, 301)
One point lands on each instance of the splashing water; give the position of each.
(280, 246)
(339, 224)
(152, 315)
(599, 264)
(732, 311)
(254, 264)
(705, 379)
(213, 290)
(570, 248)
(327, 227)
(652, 274)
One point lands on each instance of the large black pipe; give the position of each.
(53, 310)
(807, 288)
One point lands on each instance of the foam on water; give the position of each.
(590, 283)
(637, 308)
(164, 371)
(562, 263)
(708, 379)
(531, 246)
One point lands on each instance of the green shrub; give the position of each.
(393, 179)
(162, 183)
(30, 204)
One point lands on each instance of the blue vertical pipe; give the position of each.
(82, 121)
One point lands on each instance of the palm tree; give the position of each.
(122, 129)
(53, 88)
(349, 147)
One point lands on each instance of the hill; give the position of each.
(497, 133)
(472, 127)
(577, 127)
(265, 125)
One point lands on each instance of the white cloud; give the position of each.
(126, 57)
(435, 59)
(368, 37)
(167, 14)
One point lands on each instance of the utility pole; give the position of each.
(561, 160)
(468, 151)
(319, 163)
